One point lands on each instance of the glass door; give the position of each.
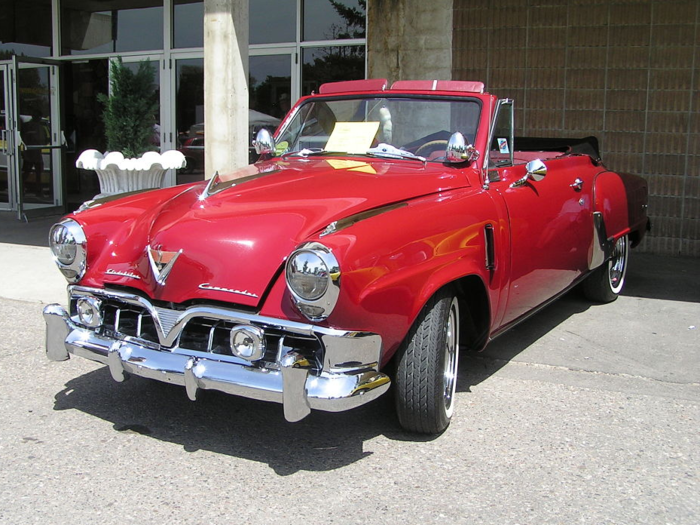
(5, 140)
(37, 140)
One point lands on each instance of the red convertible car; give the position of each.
(383, 230)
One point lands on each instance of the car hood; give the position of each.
(230, 238)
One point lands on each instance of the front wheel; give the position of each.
(426, 371)
(605, 283)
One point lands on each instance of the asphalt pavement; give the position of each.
(584, 414)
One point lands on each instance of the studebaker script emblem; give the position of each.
(207, 286)
(162, 262)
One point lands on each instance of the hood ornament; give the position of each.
(209, 189)
(162, 262)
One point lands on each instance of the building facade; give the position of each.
(625, 71)
(54, 61)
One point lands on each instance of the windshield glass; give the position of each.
(421, 126)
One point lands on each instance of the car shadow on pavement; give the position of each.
(666, 278)
(476, 367)
(230, 425)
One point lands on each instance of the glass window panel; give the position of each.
(188, 23)
(331, 64)
(83, 126)
(25, 28)
(87, 27)
(270, 81)
(155, 96)
(273, 21)
(334, 20)
(189, 117)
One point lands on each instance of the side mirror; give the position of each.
(458, 150)
(264, 143)
(535, 170)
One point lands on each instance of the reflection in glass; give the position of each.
(405, 126)
(189, 117)
(272, 21)
(87, 29)
(155, 98)
(188, 29)
(270, 81)
(83, 126)
(25, 28)
(34, 105)
(334, 19)
(331, 64)
(4, 168)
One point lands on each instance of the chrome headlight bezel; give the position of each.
(319, 304)
(69, 249)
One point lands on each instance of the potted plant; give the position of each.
(130, 162)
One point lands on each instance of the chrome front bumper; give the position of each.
(349, 376)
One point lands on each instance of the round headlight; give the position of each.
(307, 275)
(313, 278)
(63, 244)
(67, 242)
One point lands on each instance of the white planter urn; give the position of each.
(120, 175)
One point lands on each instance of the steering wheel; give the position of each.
(431, 146)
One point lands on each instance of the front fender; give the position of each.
(392, 264)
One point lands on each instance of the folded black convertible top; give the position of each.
(584, 146)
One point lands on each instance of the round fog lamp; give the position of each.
(89, 311)
(247, 342)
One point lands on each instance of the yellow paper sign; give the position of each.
(351, 165)
(352, 137)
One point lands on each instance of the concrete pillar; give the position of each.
(225, 85)
(409, 39)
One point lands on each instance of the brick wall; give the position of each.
(627, 72)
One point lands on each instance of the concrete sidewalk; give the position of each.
(29, 274)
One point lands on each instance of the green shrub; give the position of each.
(129, 111)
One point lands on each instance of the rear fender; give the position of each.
(610, 200)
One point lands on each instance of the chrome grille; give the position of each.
(198, 334)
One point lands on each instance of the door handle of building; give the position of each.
(577, 185)
(3, 141)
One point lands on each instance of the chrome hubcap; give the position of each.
(618, 265)
(451, 357)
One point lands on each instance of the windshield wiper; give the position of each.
(388, 151)
(311, 152)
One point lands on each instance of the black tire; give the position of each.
(426, 367)
(606, 282)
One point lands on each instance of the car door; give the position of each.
(551, 224)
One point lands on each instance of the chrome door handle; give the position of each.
(577, 185)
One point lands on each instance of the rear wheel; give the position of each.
(606, 282)
(426, 369)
